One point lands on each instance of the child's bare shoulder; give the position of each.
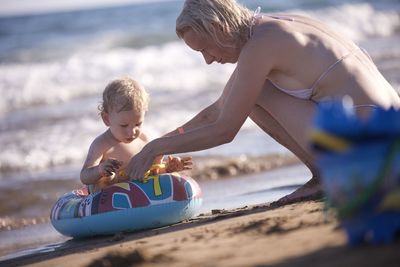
(103, 142)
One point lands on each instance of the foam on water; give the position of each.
(165, 68)
(358, 21)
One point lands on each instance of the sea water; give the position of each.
(54, 66)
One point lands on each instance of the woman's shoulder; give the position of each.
(289, 33)
(298, 28)
(272, 31)
(274, 43)
(268, 38)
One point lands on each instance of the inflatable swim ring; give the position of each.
(129, 206)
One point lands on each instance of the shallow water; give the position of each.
(252, 189)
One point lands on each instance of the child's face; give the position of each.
(125, 126)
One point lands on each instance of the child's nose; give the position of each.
(134, 131)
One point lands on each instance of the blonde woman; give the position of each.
(285, 65)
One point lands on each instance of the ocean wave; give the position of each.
(358, 21)
(65, 143)
(169, 67)
(165, 67)
(50, 110)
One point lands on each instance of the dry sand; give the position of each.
(300, 234)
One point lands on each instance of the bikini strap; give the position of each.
(255, 16)
(331, 67)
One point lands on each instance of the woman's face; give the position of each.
(209, 49)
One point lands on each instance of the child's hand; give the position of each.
(176, 164)
(109, 168)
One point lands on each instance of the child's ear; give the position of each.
(106, 118)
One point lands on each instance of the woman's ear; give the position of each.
(106, 118)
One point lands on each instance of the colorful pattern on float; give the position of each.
(129, 206)
(359, 163)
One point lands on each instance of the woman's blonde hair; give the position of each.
(124, 94)
(204, 16)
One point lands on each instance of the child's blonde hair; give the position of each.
(204, 16)
(124, 94)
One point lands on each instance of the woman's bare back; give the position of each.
(325, 62)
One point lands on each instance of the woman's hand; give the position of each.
(176, 164)
(139, 164)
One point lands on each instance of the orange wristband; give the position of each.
(180, 130)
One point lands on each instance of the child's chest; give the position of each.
(124, 152)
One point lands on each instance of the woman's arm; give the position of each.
(238, 99)
(236, 103)
(208, 115)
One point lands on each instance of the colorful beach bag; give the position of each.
(359, 163)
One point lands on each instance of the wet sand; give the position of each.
(300, 234)
(31, 202)
(22, 236)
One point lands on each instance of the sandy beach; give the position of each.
(301, 234)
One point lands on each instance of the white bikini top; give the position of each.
(305, 93)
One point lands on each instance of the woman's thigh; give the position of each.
(294, 115)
